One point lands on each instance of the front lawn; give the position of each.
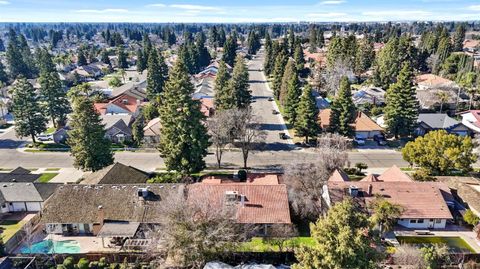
(259, 244)
(46, 177)
(8, 228)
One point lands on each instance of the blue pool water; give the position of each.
(50, 247)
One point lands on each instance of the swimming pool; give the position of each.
(51, 247)
(454, 244)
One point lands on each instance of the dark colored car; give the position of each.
(380, 139)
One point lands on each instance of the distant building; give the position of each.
(369, 95)
(430, 122)
(116, 173)
(364, 126)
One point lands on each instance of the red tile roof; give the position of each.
(370, 178)
(362, 121)
(257, 179)
(264, 204)
(124, 101)
(394, 174)
(419, 199)
(207, 106)
(339, 176)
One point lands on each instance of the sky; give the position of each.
(239, 11)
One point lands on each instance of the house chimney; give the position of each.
(370, 189)
(101, 215)
(242, 200)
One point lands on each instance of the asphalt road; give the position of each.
(277, 153)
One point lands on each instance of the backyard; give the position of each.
(8, 228)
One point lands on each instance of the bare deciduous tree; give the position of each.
(220, 129)
(248, 134)
(195, 232)
(341, 68)
(307, 181)
(409, 255)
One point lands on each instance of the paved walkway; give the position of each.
(65, 175)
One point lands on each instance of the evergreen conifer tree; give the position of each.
(306, 124)
(293, 96)
(54, 98)
(343, 110)
(88, 146)
(224, 97)
(157, 75)
(239, 84)
(29, 120)
(401, 111)
(184, 140)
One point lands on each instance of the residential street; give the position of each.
(277, 152)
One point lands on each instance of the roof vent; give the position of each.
(142, 192)
(231, 197)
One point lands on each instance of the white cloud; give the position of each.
(326, 15)
(332, 2)
(404, 14)
(101, 11)
(2, 2)
(195, 7)
(157, 5)
(474, 7)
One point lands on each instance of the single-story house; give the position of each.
(204, 88)
(471, 119)
(122, 104)
(431, 87)
(24, 196)
(369, 95)
(19, 174)
(117, 127)
(261, 201)
(89, 209)
(117, 173)
(425, 204)
(364, 126)
(431, 121)
(151, 132)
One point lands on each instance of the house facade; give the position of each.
(431, 121)
(425, 205)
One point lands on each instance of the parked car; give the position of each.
(283, 136)
(359, 141)
(274, 112)
(44, 138)
(270, 99)
(380, 139)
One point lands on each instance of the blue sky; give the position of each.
(235, 11)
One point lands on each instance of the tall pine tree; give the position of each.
(230, 50)
(122, 58)
(293, 96)
(401, 111)
(239, 84)
(306, 124)
(54, 97)
(343, 110)
(88, 146)
(224, 98)
(29, 120)
(184, 140)
(141, 61)
(157, 75)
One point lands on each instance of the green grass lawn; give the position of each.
(9, 227)
(52, 169)
(258, 244)
(454, 244)
(51, 130)
(46, 177)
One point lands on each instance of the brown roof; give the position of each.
(252, 178)
(117, 173)
(264, 204)
(80, 203)
(433, 80)
(152, 128)
(370, 178)
(394, 174)
(339, 175)
(362, 121)
(419, 199)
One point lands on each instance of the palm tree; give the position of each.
(443, 98)
(385, 214)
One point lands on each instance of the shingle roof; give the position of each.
(437, 121)
(264, 204)
(26, 192)
(419, 199)
(116, 173)
(152, 128)
(394, 174)
(19, 174)
(370, 178)
(80, 203)
(339, 175)
(362, 121)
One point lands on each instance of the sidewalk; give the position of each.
(65, 175)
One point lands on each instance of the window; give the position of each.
(438, 221)
(413, 221)
(420, 221)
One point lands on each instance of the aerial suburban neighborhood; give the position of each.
(334, 134)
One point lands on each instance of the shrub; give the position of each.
(360, 167)
(170, 177)
(471, 218)
(242, 175)
(422, 174)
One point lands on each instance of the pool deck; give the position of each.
(468, 236)
(87, 243)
